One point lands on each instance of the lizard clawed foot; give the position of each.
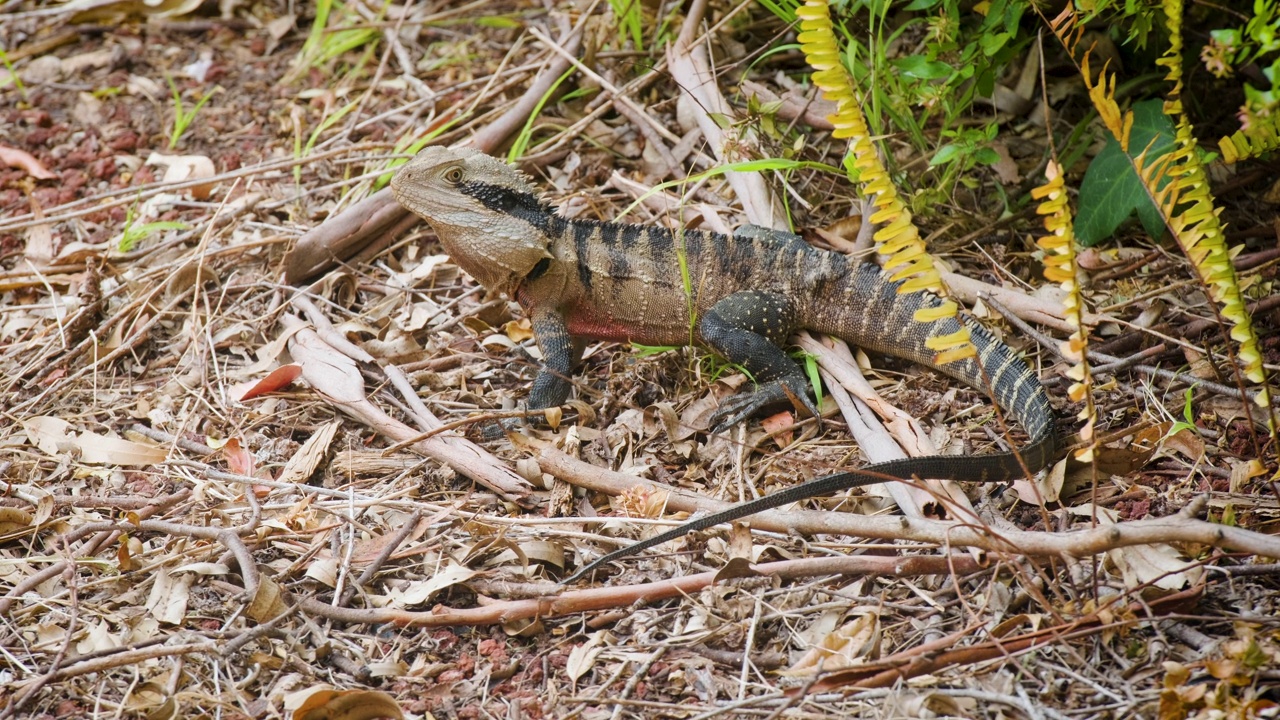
(791, 389)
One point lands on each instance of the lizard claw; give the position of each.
(791, 388)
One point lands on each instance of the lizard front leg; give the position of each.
(561, 353)
(748, 328)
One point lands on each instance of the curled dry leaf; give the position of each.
(150, 700)
(180, 168)
(326, 703)
(55, 436)
(13, 521)
(313, 452)
(852, 644)
(279, 378)
(419, 592)
(23, 160)
(268, 602)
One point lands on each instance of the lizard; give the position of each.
(740, 295)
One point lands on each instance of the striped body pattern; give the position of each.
(740, 295)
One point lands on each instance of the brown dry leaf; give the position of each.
(1187, 443)
(1006, 169)
(13, 521)
(544, 551)
(150, 700)
(1047, 486)
(279, 378)
(180, 168)
(1156, 564)
(1242, 471)
(96, 10)
(313, 452)
(518, 330)
(1124, 460)
(39, 248)
(851, 644)
(325, 703)
(323, 570)
(641, 501)
(779, 425)
(170, 593)
(419, 592)
(268, 602)
(55, 436)
(23, 160)
(842, 235)
(936, 704)
(239, 460)
(583, 656)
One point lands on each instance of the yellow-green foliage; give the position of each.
(899, 238)
(1185, 202)
(1060, 267)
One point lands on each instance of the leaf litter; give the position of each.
(201, 515)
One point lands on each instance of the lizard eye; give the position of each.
(453, 175)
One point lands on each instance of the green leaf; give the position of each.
(986, 156)
(501, 22)
(945, 154)
(918, 66)
(992, 43)
(1111, 191)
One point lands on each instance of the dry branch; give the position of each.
(558, 602)
(1182, 527)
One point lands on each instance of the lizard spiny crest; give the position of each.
(481, 208)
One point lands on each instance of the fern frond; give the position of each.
(1060, 267)
(1262, 138)
(1179, 188)
(898, 239)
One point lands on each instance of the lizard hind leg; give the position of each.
(748, 328)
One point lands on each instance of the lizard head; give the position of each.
(487, 215)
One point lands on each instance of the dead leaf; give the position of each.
(150, 700)
(518, 330)
(312, 453)
(1186, 442)
(239, 460)
(268, 603)
(281, 377)
(170, 593)
(96, 10)
(583, 656)
(54, 436)
(13, 520)
(780, 425)
(325, 703)
(180, 168)
(851, 644)
(419, 592)
(23, 160)
(1006, 169)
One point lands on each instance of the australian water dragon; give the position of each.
(740, 295)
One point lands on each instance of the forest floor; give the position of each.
(219, 500)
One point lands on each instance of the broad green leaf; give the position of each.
(1111, 190)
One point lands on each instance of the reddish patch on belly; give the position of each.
(591, 323)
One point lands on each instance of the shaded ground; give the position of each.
(137, 311)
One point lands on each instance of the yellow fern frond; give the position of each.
(898, 239)
(1262, 138)
(1060, 267)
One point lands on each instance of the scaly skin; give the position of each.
(742, 296)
